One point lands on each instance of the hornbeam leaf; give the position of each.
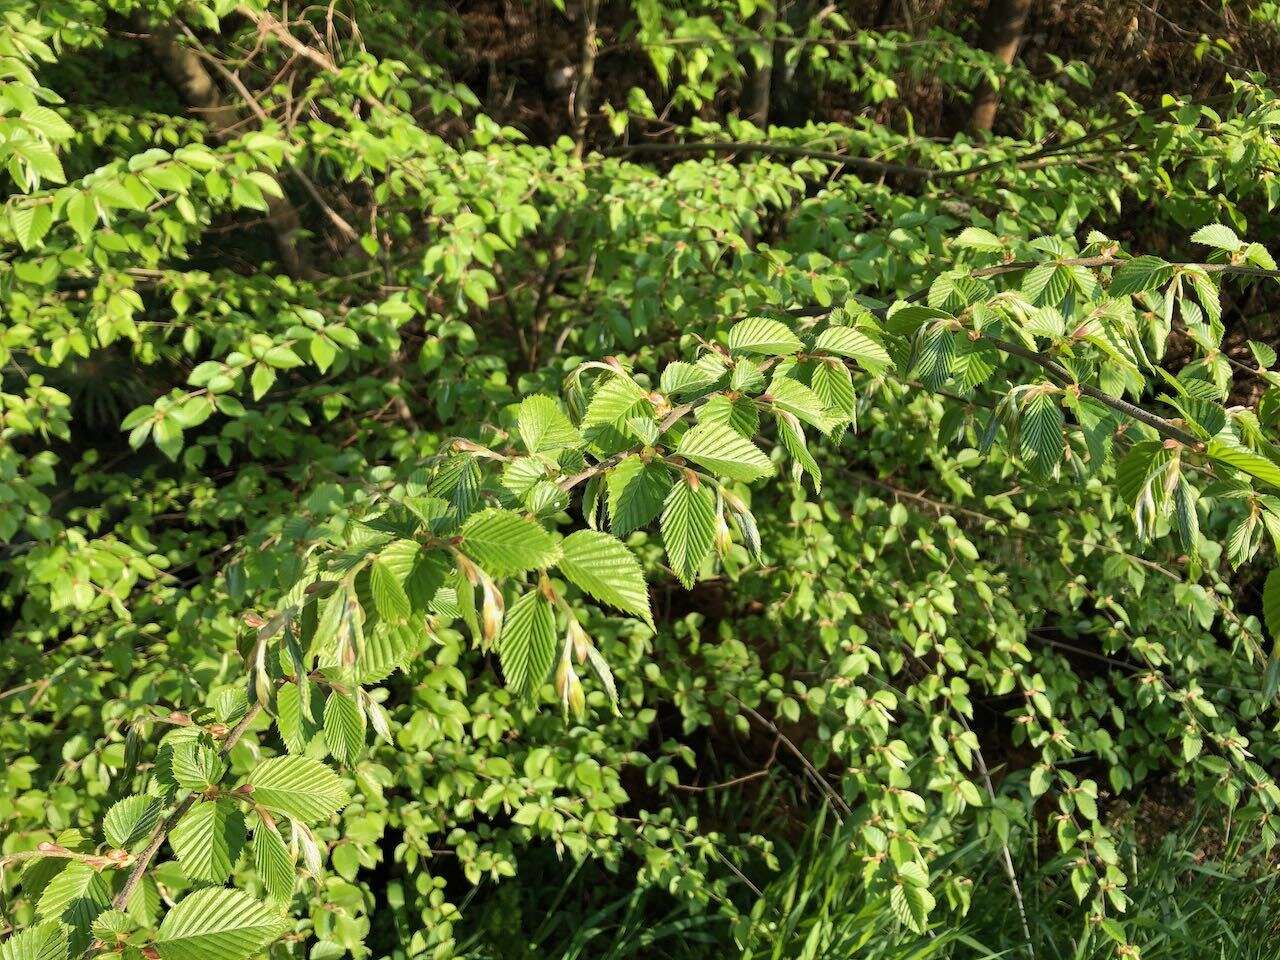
(275, 864)
(528, 643)
(41, 941)
(217, 924)
(762, 335)
(855, 345)
(799, 401)
(505, 543)
(725, 452)
(299, 787)
(543, 425)
(389, 597)
(196, 767)
(603, 567)
(1228, 450)
(129, 820)
(688, 528)
(344, 727)
(1041, 428)
(1218, 235)
(75, 896)
(1139, 275)
(208, 840)
(636, 490)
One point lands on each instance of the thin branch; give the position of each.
(161, 831)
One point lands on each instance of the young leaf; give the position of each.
(855, 345)
(196, 767)
(688, 528)
(129, 820)
(208, 840)
(389, 597)
(344, 727)
(505, 543)
(543, 425)
(528, 643)
(274, 861)
(298, 787)
(1041, 427)
(217, 924)
(764, 336)
(724, 452)
(636, 490)
(604, 568)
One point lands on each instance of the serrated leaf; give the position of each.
(217, 924)
(274, 862)
(344, 727)
(389, 597)
(297, 729)
(528, 643)
(1218, 235)
(911, 904)
(801, 402)
(855, 345)
(298, 787)
(764, 336)
(1041, 434)
(688, 529)
(75, 896)
(40, 941)
(505, 543)
(1226, 449)
(208, 840)
(129, 820)
(543, 425)
(1047, 284)
(725, 452)
(603, 567)
(976, 238)
(196, 767)
(636, 490)
(1138, 275)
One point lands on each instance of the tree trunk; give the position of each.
(1002, 27)
(755, 105)
(182, 67)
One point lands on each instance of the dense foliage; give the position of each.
(666, 500)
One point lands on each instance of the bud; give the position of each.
(723, 539)
(492, 609)
(255, 621)
(579, 640)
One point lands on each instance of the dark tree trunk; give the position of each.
(1001, 35)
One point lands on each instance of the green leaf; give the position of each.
(799, 401)
(217, 924)
(725, 452)
(1271, 604)
(75, 896)
(764, 336)
(1218, 235)
(688, 528)
(196, 767)
(1047, 284)
(604, 568)
(40, 941)
(1138, 275)
(911, 904)
(636, 491)
(344, 727)
(389, 597)
(976, 238)
(208, 840)
(543, 425)
(505, 543)
(528, 643)
(1041, 428)
(1226, 449)
(298, 787)
(274, 862)
(855, 345)
(129, 820)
